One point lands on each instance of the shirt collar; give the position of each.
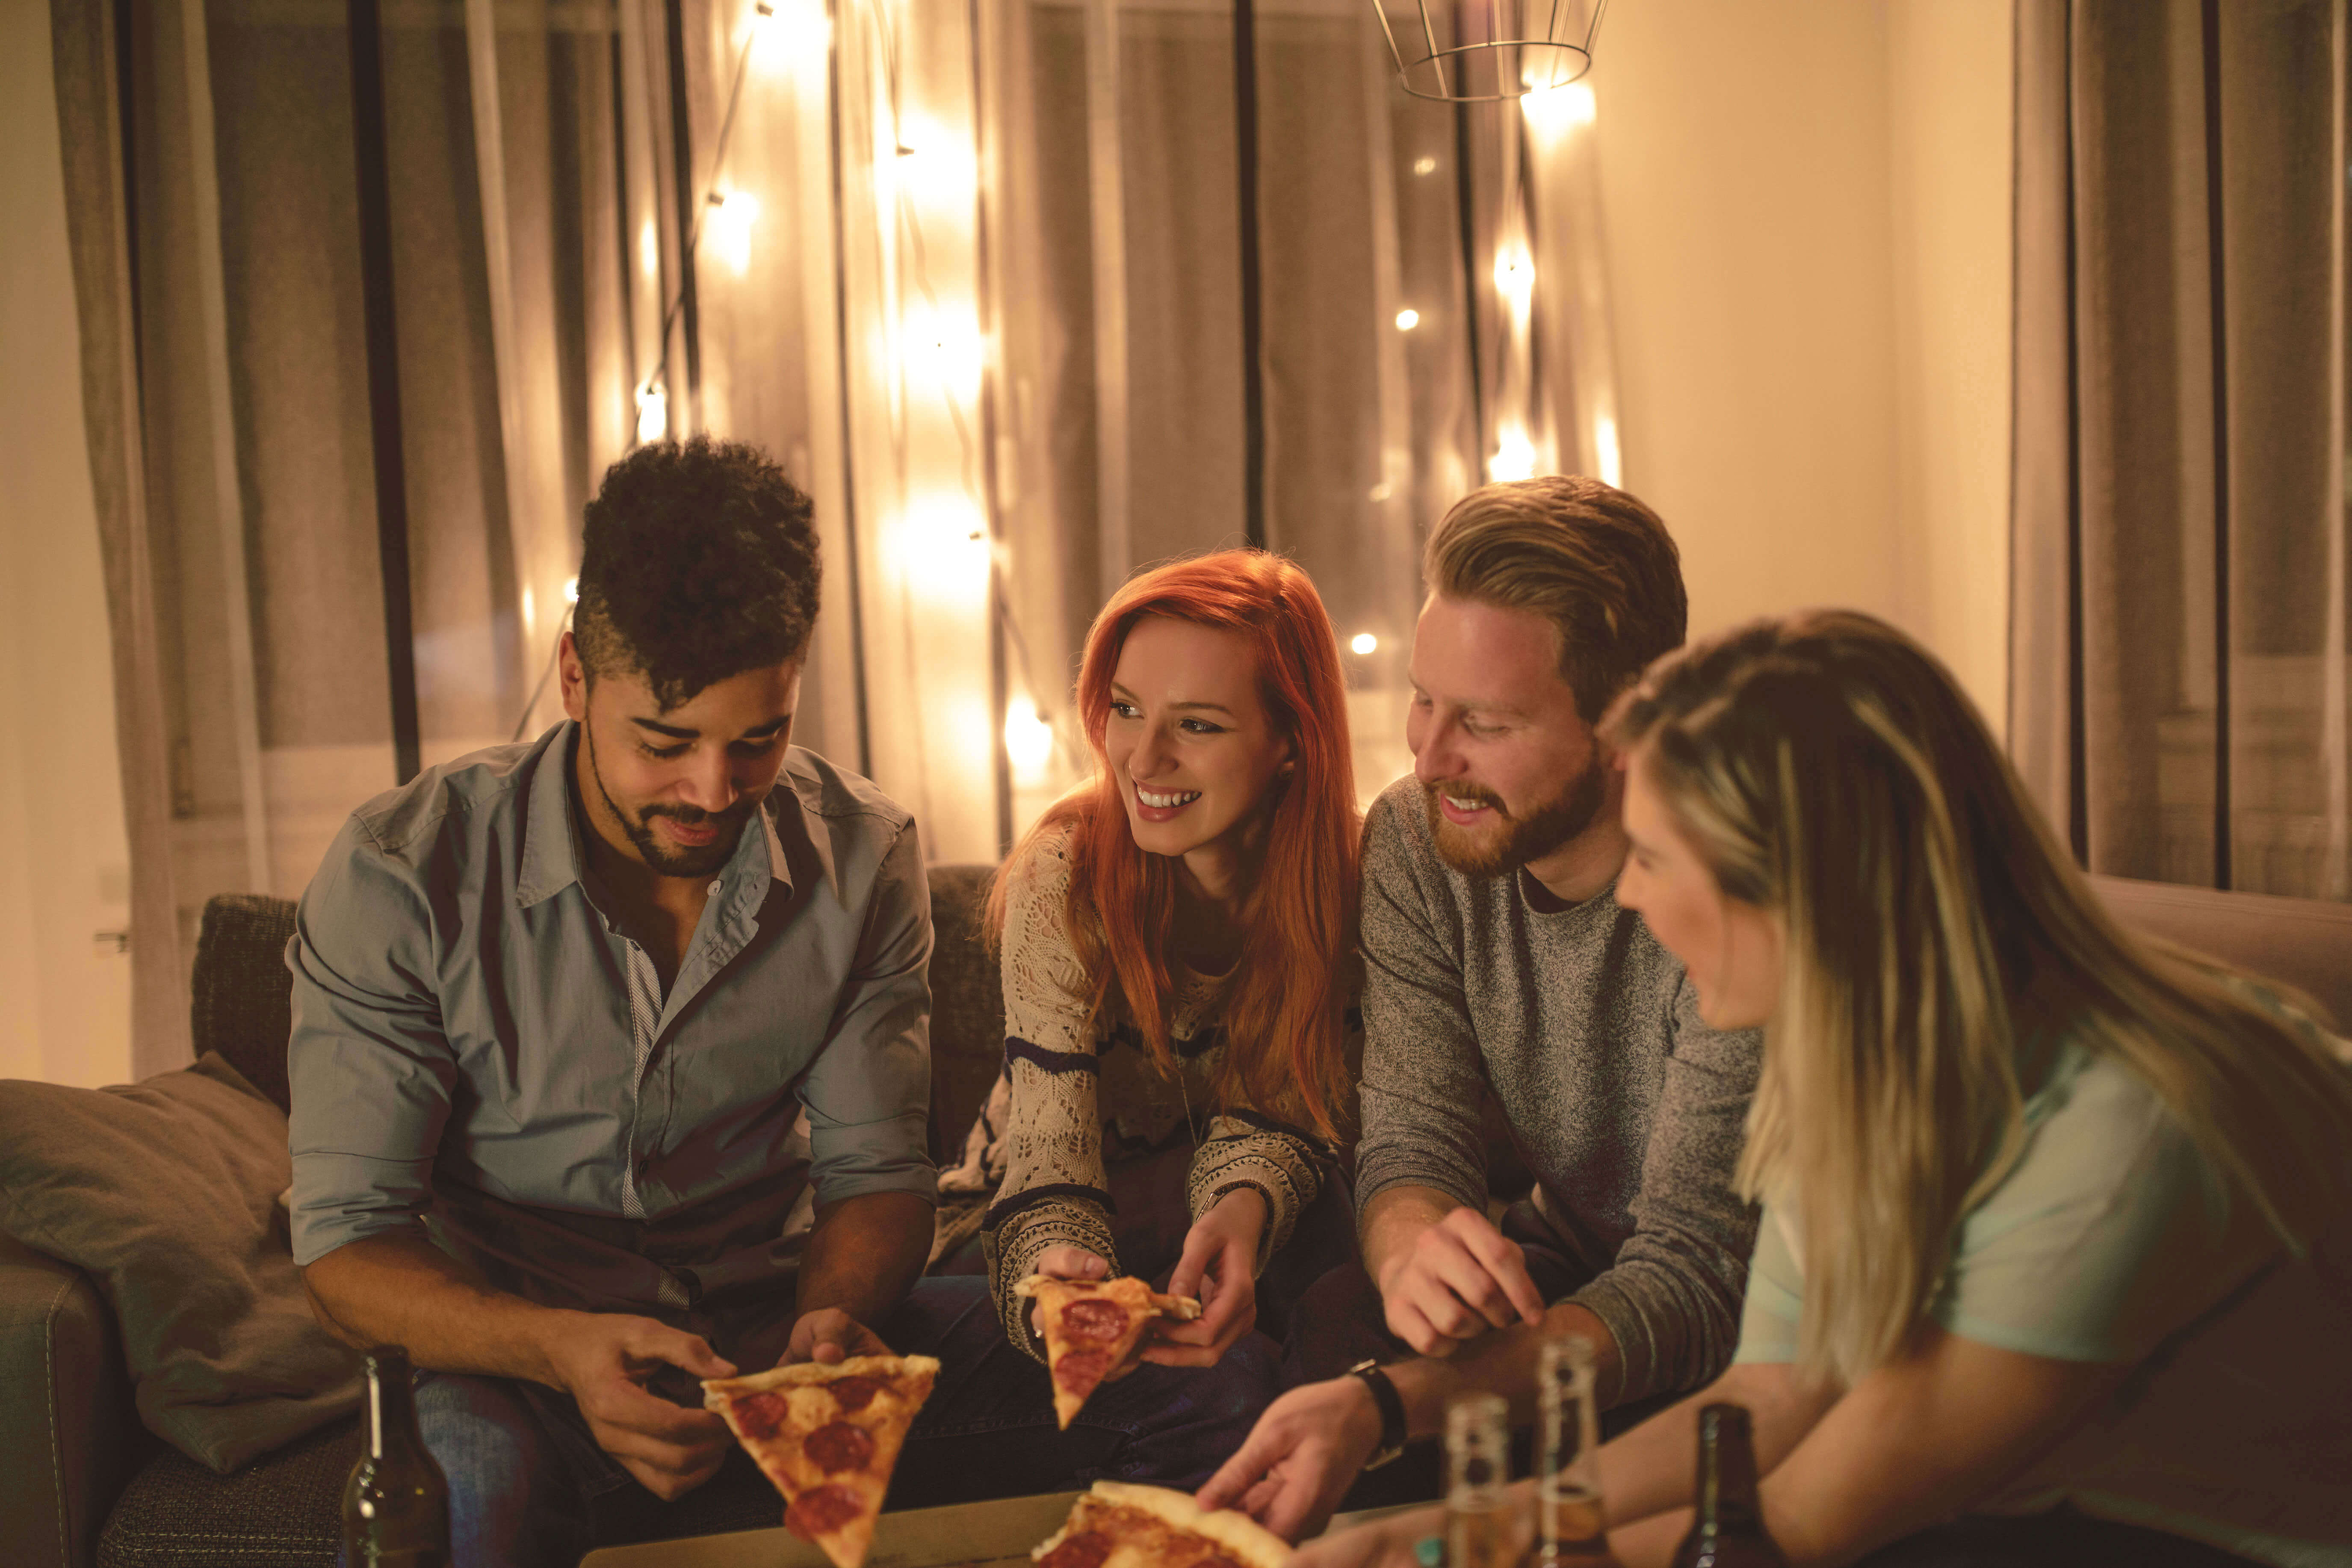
(551, 849)
(550, 837)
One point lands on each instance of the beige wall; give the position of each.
(1807, 215)
(65, 997)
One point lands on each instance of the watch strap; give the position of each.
(1391, 1404)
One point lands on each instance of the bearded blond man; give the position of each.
(1497, 959)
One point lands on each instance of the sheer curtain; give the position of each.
(1431, 311)
(532, 163)
(372, 290)
(2179, 690)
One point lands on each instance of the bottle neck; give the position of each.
(1727, 1471)
(391, 1409)
(1568, 1434)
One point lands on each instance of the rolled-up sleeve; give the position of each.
(869, 1092)
(369, 1064)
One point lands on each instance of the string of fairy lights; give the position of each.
(936, 345)
(932, 345)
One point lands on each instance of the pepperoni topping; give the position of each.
(1084, 1550)
(837, 1447)
(759, 1415)
(1080, 1369)
(854, 1394)
(820, 1510)
(1092, 1319)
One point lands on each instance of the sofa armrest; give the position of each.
(69, 1436)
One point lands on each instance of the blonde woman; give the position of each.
(2054, 1234)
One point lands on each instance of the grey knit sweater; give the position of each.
(1627, 1108)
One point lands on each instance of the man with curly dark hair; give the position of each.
(611, 1047)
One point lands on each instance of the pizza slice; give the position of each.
(1121, 1525)
(828, 1437)
(1091, 1326)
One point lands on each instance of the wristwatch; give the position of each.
(1391, 1408)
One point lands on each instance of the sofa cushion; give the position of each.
(285, 1510)
(165, 1194)
(242, 1001)
(967, 1005)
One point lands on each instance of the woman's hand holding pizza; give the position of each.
(1065, 1263)
(1218, 1269)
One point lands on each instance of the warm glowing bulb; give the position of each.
(790, 34)
(929, 165)
(1514, 459)
(1604, 444)
(1363, 642)
(1424, 166)
(653, 413)
(1514, 276)
(1408, 320)
(943, 548)
(1552, 112)
(1028, 741)
(572, 590)
(729, 221)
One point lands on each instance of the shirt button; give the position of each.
(714, 890)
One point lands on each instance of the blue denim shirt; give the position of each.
(464, 1032)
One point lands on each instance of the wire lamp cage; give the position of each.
(1484, 51)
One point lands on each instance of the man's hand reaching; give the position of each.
(603, 1359)
(831, 1335)
(1300, 1457)
(1460, 1278)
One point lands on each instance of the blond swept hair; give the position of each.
(1937, 942)
(1585, 556)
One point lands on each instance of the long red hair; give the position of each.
(1283, 1013)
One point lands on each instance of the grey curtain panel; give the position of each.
(2179, 693)
(89, 122)
(213, 182)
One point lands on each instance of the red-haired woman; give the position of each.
(1177, 938)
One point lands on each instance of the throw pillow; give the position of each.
(165, 1194)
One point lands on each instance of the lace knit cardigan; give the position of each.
(1071, 1099)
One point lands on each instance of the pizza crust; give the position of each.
(1183, 1309)
(1235, 1535)
(1251, 1544)
(803, 1372)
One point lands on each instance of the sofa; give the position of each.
(82, 1481)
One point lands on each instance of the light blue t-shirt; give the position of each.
(2114, 1240)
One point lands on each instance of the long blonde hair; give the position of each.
(1827, 769)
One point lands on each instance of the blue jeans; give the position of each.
(524, 1472)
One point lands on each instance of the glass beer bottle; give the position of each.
(1477, 1466)
(396, 1504)
(1569, 1526)
(1729, 1529)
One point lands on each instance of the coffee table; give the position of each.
(994, 1534)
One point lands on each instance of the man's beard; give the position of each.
(661, 858)
(1522, 839)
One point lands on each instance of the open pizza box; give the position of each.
(994, 1534)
